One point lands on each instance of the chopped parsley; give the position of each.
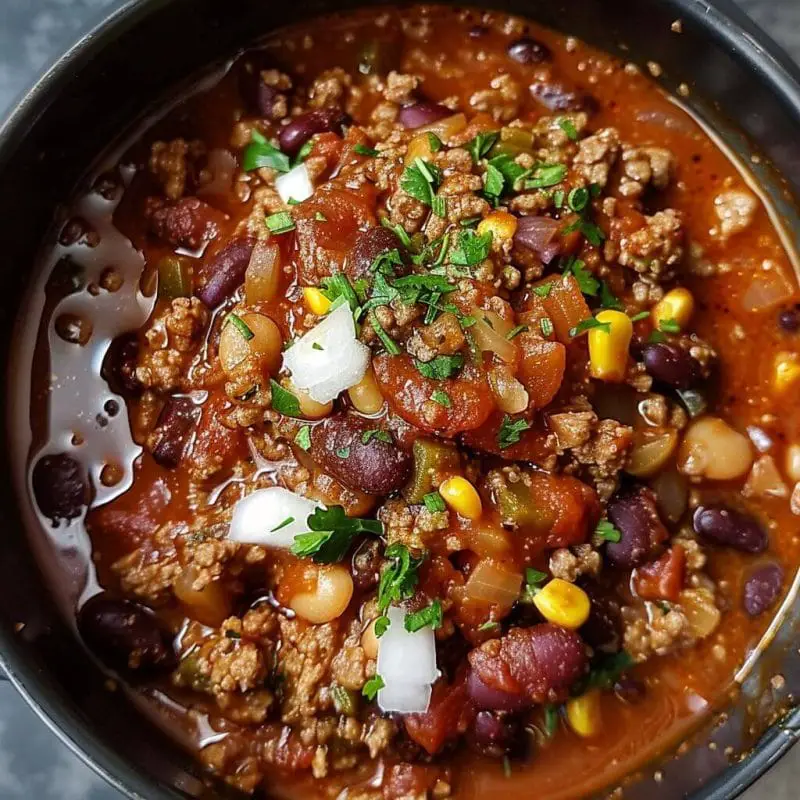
(441, 397)
(588, 229)
(283, 401)
(240, 326)
(558, 198)
(587, 283)
(604, 672)
(331, 533)
(430, 617)
(656, 337)
(434, 502)
(260, 153)
(441, 367)
(343, 452)
(482, 144)
(281, 222)
(376, 433)
(493, 181)
(389, 344)
(382, 624)
(385, 263)
(640, 316)
(363, 150)
(608, 299)
(543, 290)
(516, 331)
(605, 530)
(669, 326)
(303, 437)
(509, 169)
(588, 324)
(511, 431)
(398, 230)
(472, 248)
(489, 625)
(316, 346)
(568, 127)
(546, 175)
(372, 687)
(399, 578)
(533, 579)
(420, 180)
(434, 142)
(338, 289)
(304, 152)
(578, 199)
(287, 521)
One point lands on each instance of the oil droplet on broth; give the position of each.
(86, 420)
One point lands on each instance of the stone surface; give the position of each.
(33, 763)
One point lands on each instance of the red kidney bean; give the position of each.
(60, 487)
(370, 244)
(529, 51)
(543, 662)
(375, 467)
(635, 515)
(671, 365)
(225, 271)
(485, 697)
(496, 736)
(294, 135)
(124, 636)
(175, 421)
(423, 113)
(189, 223)
(789, 320)
(119, 365)
(762, 588)
(730, 528)
(557, 97)
(366, 564)
(603, 629)
(259, 96)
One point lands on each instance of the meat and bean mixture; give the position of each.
(470, 457)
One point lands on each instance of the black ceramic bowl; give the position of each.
(740, 82)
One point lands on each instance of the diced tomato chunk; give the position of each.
(541, 369)
(569, 508)
(565, 306)
(215, 446)
(534, 445)
(447, 717)
(662, 579)
(408, 392)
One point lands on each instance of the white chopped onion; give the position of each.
(329, 358)
(407, 664)
(295, 184)
(261, 517)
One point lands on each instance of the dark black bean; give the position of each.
(370, 244)
(124, 636)
(486, 697)
(478, 31)
(671, 365)
(730, 528)
(366, 564)
(635, 515)
(225, 271)
(762, 588)
(496, 736)
(119, 365)
(294, 135)
(789, 319)
(175, 421)
(60, 487)
(557, 97)
(529, 51)
(602, 630)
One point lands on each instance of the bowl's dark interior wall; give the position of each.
(70, 120)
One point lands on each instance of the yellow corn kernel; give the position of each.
(563, 603)
(316, 301)
(676, 306)
(787, 371)
(583, 714)
(608, 346)
(500, 224)
(419, 147)
(462, 497)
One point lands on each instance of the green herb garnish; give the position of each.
(441, 397)
(420, 180)
(606, 530)
(434, 502)
(240, 326)
(482, 144)
(303, 438)
(399, 578)
(441, 367)
(511, 431)
(568, 127)
(545, 175)
(376, 433)
(283, 401)
(472, 248)
(363, 150)
(372, 687)
(260, 153)
(588, 324)
(281, 222)
(331, 533)
(430, 617)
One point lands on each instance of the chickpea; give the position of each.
(712, 449)
(365, 396)
(209, 605)
(309, 408)
(264, 345)
(369, 641)
(326, 598)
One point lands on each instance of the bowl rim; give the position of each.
(742, 35)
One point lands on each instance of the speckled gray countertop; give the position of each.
(34, 765)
